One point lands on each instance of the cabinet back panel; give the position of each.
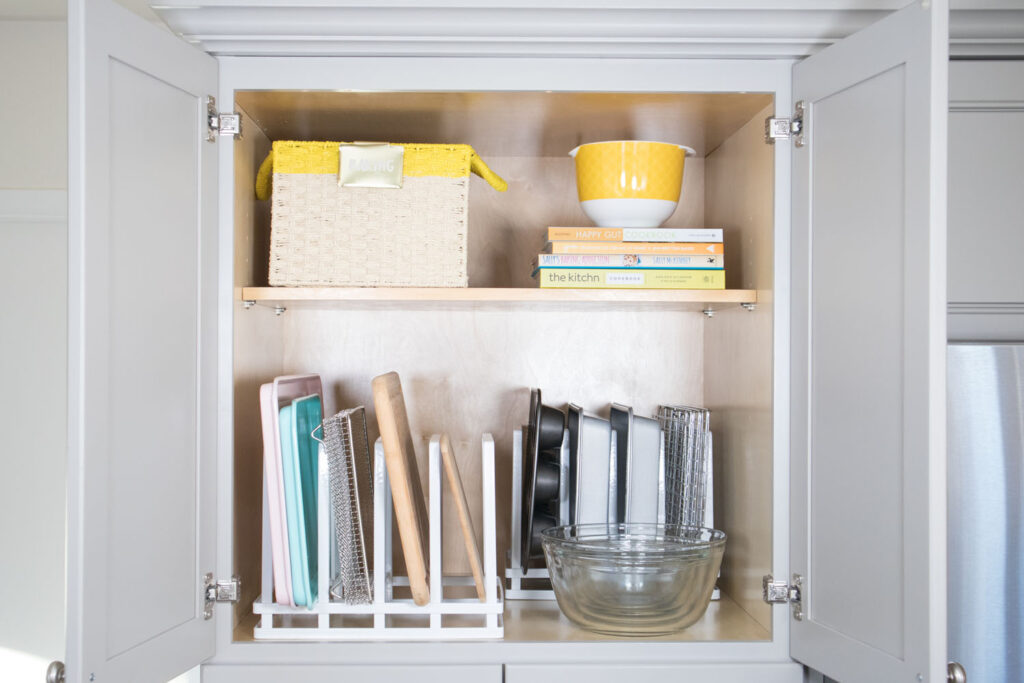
(468, 372)
(504, 123)
(508, 229)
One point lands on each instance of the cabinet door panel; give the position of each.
(868, 352)
(142, 344)
(265, 673)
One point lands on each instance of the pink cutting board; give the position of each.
(275, 488)
(282, 392)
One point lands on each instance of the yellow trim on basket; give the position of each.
(420, 160)
(263, 177)
(477, 165)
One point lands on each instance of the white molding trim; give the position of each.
(33, 206)
(1013, 308)
(980, 322)
(986, 33)
(563, 28)
(986, 105)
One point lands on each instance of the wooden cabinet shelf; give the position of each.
(683, 299)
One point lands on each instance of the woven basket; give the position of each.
(326, 235)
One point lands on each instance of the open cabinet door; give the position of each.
(868, 353)
(142, 274)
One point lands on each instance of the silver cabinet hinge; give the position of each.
(219, 591)
(777, 128)
(219, 123)
(781, 592)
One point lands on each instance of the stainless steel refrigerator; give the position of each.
(986, 510)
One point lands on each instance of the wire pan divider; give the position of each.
(285, 622)
(351, 489)
(686, 437)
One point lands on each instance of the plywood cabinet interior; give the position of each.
(467, 365)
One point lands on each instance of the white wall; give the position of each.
(33, 118)
(33, 346)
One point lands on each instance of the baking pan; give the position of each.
(640, 491)
(544, 432)
(592, 467)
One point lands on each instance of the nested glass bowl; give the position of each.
(633, 579)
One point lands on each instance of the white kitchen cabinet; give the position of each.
(986, 164)
(827, 396)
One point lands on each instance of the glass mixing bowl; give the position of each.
(633, 579)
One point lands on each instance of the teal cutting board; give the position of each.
(299, 465)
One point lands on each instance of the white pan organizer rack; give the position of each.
(389, 617)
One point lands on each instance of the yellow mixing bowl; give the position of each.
(629, 183)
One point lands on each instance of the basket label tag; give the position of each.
(370, 164)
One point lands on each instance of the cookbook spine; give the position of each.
(636, 234)
(630, 278)
(710, 262)
(667, 248)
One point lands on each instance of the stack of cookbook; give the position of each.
(632, 258)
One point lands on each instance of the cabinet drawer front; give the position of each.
(780, 672)
(263, 673)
